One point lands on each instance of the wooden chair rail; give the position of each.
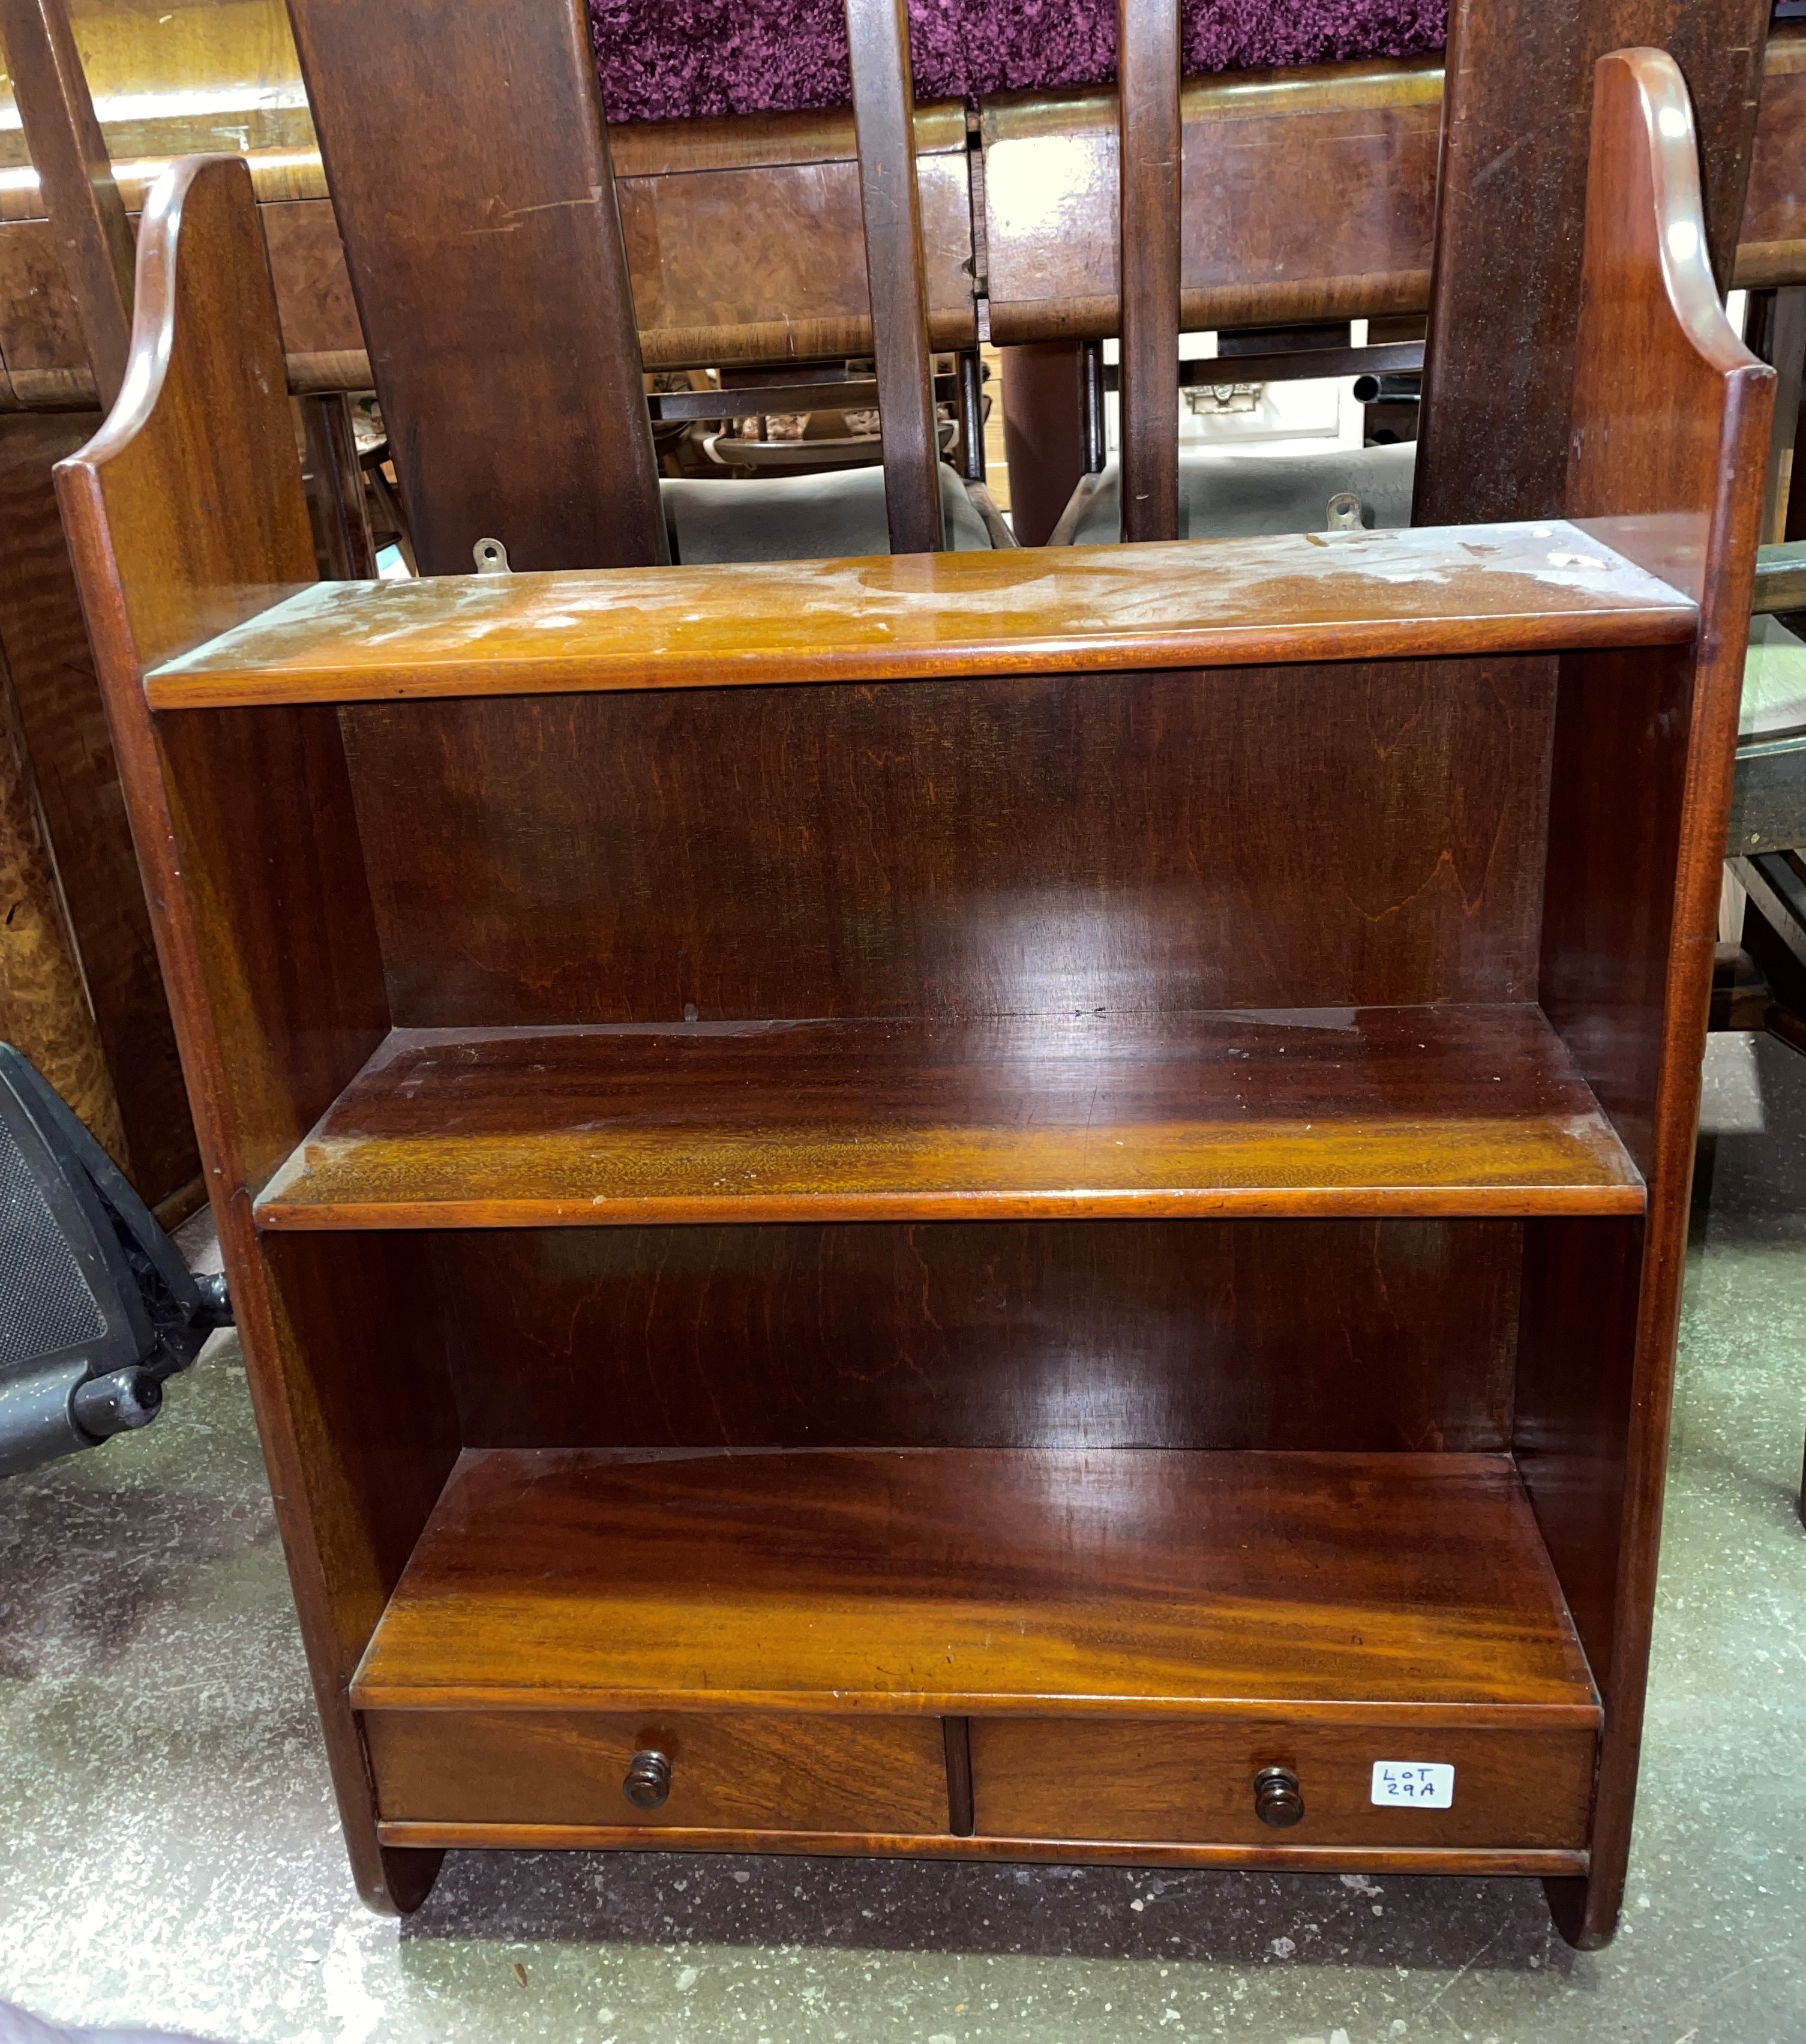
(844, 394)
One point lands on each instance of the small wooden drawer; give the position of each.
(749, 1772)
(1193, 1782)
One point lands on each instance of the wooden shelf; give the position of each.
(1445, 1110)
(1330, 595)
(545, 1493)
(957, 1580)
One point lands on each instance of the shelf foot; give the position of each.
(1584, 1914)
(399, 1880)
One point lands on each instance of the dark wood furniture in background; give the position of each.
(45, 1008)
(883, 117)
(1308, 195)
(514, 398)
(1148, 184)
(88, 231)
(500, 325)
(79, 989)
(1321, 186)
(1494, 440)
(1159, 493)
(872, 1210)
(1043, 436)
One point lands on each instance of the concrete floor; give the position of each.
(169, 1854)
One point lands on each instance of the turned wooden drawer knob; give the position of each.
(1277, 1800)
(649, 1779)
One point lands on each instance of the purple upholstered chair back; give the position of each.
(687, 59)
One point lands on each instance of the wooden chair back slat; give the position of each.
(877, 35)
(1147, 69)
(467, 159)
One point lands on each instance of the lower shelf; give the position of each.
(1101, 1649)
(961, 1580)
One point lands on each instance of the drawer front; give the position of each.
(1193, 1782)
(733, 1773)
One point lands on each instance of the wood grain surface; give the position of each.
(1667, 449)
(1000, 854)
(745, 235)
(758, 1772)
(337, 503)
(1309, 194)
(1476, 1861)
(1771, 240)
(1399, 1588)
(1033, 847)
(1136, 1778)
(1136, 1334)
(1306, 194)
(185, 512)
(1197, 603)
(1070, 1777)
(1434, 1110)
(1780, 571)
(62, 720)
(195, 471)
(1570, 1428)
(44, 1008)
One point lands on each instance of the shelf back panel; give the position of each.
(1365, 835)
(993, 1334)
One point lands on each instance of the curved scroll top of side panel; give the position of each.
(1669, 406)
(186, 509)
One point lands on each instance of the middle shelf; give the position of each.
(1473, 1110)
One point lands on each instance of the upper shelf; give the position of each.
(1434, 1110)
(1316, 596)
